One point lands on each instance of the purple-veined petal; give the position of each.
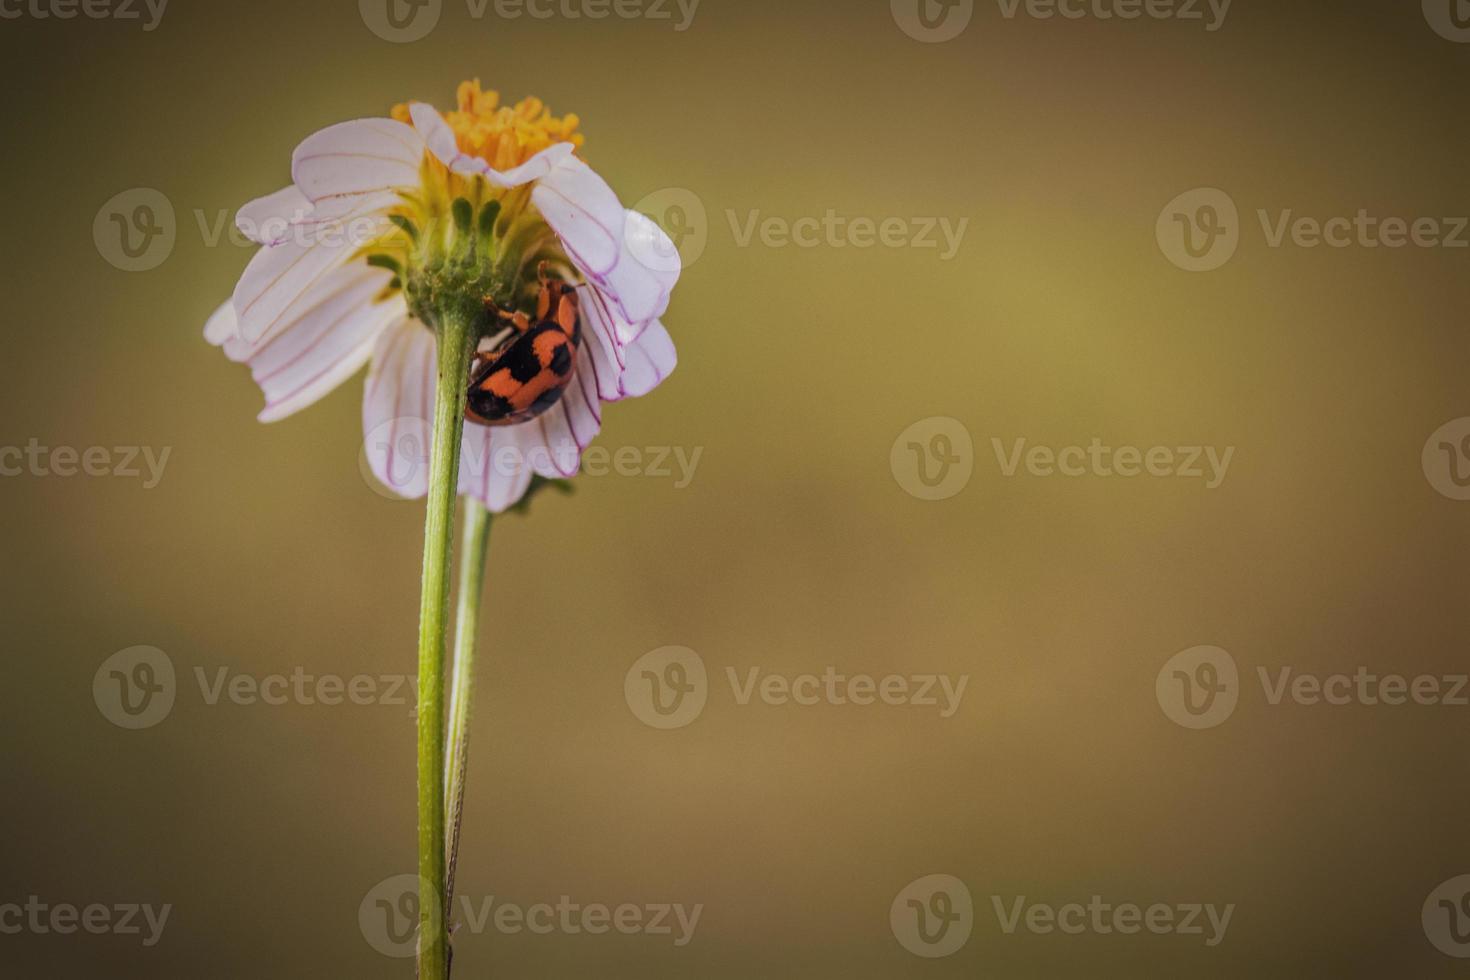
(638, 285)
(328, 343)
(583, 404)
(358, 157)
(493, 469)
(268, 220)
(440, 140)
(651, 359)
(643, 279)
(277, 277)
(585, 214)
(658, 263)
(550, 446)
(398, 408)
(623, 368)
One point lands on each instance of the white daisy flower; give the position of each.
(387, 221)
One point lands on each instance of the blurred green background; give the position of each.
(795, 547)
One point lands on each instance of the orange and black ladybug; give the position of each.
(527, 373)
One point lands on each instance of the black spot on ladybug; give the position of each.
(521, 357)
(548, 398)
(561, 361)
(489, 406)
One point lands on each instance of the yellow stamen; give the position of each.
(503, 136)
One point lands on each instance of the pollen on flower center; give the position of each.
(503, 136)
(460, 241)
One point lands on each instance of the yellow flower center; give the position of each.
(460, 240)
(503, 136)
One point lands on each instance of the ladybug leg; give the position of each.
(501, 320)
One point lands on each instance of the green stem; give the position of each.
(473, 547)
(455, 344)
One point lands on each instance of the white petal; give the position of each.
(602, 343)
(637, 291)
(277, 277)
(585, 214)
(582, 402)
(644, 277)
(328, 343)
(439, 137)
(358, 157)
(492, 467)
(651, 359)
(623, 368)
(398, 408)
(222, 324)
(651, 247)
(268, 220)
(550, 446)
